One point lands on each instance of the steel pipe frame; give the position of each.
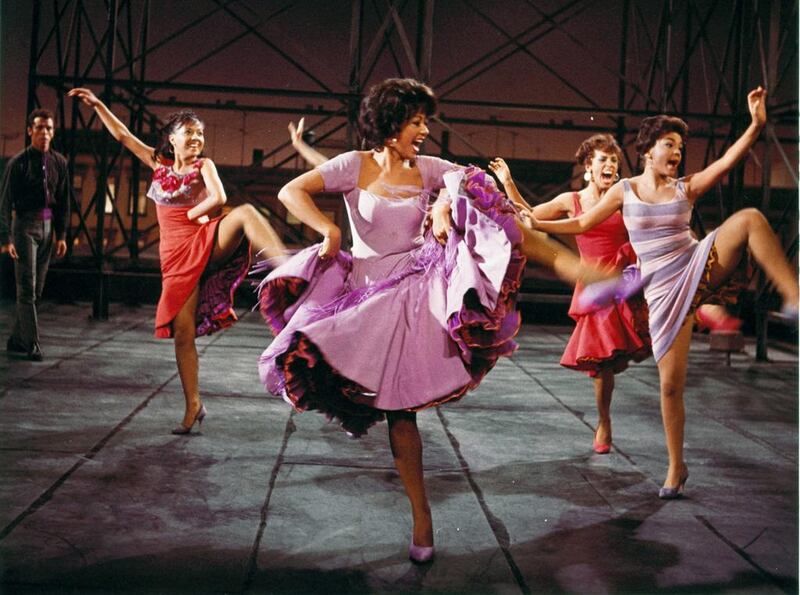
(365, 51)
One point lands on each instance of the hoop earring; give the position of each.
(587, 176)
(616, 177)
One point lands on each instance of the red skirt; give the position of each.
(610, 337)
(185, 249)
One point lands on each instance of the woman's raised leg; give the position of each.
(564, 263)
(406, 447)
(749, 229)
(245, 221)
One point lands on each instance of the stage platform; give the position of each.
(96, 495)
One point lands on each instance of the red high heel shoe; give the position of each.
(601, 449)
(725, 324)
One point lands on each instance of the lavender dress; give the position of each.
(670, 258)
(400, 323)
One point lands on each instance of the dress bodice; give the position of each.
(171, 189)
(659, 232)
(384, 224)
(601, 243)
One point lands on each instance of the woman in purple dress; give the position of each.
(403, 322)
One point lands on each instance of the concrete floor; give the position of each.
(97, 496)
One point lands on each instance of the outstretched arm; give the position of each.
(313, 156)
(296, 196)
(118, 130)
(699, 183)
(611, 202)
(559, 207)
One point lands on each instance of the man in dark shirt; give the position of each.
(36, 188)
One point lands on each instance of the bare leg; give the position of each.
(564, 263)
(245, 221)
(672, 375)
(406, 446)
(183, 328)
(749, 229)
(603, 389)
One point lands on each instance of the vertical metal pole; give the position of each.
(667, 52)
(354, 83)
(623, 67)
(138, 118)
(33, 64)
(771, 52)
(735, 177)
(100, 302)
(425, 39)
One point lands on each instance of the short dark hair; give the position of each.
(40, 112)
(654, 127)
(389, 105)
(598, 142)
(174, 121)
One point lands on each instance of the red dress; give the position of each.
(185, 248)
(615, 334)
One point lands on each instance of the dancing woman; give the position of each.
(605, 339)
(203, 257)
(403, 322)
(680, 272)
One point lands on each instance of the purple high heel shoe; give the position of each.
(666, 493)
(602, 293)
(420, 554)
(182, 430)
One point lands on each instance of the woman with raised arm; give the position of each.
(680, 272)
(605, 338)
(203, 257)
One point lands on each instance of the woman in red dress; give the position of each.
(203, 257)
(605, 339)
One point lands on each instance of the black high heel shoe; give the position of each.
(666, 493)
(198, 419)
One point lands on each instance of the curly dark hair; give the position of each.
(389, 105)
(654, 127)
(598, 142)
(174, 121)
(40, 112)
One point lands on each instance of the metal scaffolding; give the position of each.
(569, 67)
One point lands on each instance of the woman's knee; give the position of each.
(671, 391)
(751, 217)
(246, 212)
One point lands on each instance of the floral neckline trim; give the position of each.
(172, 182)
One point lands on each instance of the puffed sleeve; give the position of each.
(340, 174)
(432, 170)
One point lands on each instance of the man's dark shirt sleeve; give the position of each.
(9, 188)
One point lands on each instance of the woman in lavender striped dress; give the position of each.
(680, 272)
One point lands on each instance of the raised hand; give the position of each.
(500, 168)
(85, 95)
(757, 103)
(296, 133)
